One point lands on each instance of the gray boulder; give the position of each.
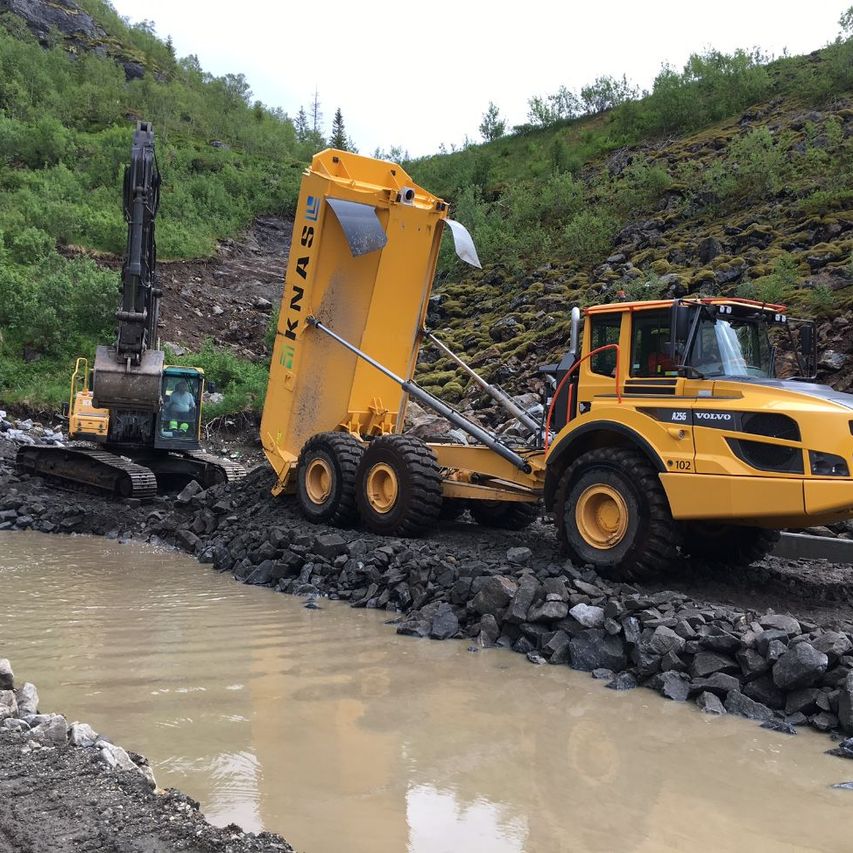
(8, 704)
(519, 556)
(54, 732)
(114, 756)
(7, 677)
(781, 623)
(708, 703)
(673, 685)
(28, 699)
(588, 615)
(666, 640)
(495, 593)
(737, 703)
(82, 734)
(595, 649)
(528, 589)
(444, 623)
(800, 666)
(706, 663)
(845, 704)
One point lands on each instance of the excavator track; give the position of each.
(233, 471)
(97, 470)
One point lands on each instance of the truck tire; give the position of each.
(398, 490)
(611, 511)
(727, 543)
(326, 477)
(506, 515)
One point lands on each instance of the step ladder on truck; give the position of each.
(665, 429)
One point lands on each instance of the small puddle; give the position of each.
(327, 727)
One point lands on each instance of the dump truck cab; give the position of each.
(688, 389)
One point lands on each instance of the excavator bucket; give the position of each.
(119, 385)
(362, 261)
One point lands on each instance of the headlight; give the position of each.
(828, 464)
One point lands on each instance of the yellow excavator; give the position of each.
(145, 416)
(666, 429)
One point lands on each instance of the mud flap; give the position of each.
(361, 226)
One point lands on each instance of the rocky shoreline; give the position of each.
(65, 788)
(492, 588)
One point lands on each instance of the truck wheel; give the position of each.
(727, 543)
(506, 515)
(398, 486)
(326, 476)
(611, 511)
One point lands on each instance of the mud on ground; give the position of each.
(63, 800)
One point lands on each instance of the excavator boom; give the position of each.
(128, 374)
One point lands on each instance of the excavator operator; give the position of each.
(179, 412)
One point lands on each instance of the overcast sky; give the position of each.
(416, 75)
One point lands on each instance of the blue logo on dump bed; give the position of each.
(312, 210)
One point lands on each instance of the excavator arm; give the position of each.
(140, 301)
(128, 375)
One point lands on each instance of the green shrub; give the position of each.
(243, 383)
(588, 237)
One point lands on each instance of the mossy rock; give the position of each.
(703, 277)
(661, 266)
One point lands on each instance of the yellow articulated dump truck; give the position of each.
(665, 428)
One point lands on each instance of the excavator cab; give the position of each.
(179, 417)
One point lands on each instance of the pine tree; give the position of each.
(300, 125)
(339, 137)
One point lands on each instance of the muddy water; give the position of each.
(327, 727)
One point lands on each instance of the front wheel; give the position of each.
(727, 543)
(611, 511)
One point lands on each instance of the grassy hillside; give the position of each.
(733, 176)
(67, 111)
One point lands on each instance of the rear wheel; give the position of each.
(326, 476)
(506, 515)
(727, 543)
(398, 486)
(611, 511)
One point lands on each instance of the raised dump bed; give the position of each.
(365, 244)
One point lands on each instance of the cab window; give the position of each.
(649, 344)
(604, 329)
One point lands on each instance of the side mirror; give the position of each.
(808, 350)
(807, 339)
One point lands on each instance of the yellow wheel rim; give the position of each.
(381, 486)
(318, 480)
(601, 515)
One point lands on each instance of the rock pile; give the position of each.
(27, 431)
(19, 714)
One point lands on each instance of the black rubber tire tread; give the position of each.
(654, 547)
(728, 544)
(506, 515)
(344, 452)
(419, 486)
